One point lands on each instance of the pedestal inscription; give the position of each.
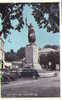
(31, 54)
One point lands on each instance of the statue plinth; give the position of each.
(31, 54)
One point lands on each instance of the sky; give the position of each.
(16, 39)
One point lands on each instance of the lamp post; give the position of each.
(1, 52)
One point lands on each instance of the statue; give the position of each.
(31, 50)
(31, 34)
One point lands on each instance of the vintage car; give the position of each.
(29, 72)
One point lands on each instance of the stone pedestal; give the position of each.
(31, 54)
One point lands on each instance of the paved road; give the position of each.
(43, 87)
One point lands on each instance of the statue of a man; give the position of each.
(31, 34)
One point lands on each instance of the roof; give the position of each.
(47, 50)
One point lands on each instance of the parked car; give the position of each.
(9, 75)
(19, 72)
(28, 72)
(14, 74)
(5, 75)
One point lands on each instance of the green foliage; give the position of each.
(11, 11)
(15, 56)
(52, 9)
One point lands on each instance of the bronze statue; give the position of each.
(31, 34)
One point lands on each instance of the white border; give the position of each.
(27, 1)
(60, 52)
(46, 1)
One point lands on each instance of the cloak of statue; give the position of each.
(31, 34)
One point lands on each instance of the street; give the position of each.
(24, 87)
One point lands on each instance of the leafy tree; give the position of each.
(50, 9)
(15, 56)
(21, 53)
(10, 56)
(11, 11)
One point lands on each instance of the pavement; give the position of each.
(24, 87)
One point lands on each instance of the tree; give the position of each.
(15, 56)
(11, 11)
(21, 53)
(50, 9)
(10, 56)
(8, 12)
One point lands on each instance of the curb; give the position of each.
(47, 74)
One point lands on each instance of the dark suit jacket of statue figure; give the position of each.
(31, 34)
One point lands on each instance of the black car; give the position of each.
(9, 75)
(5, 75)
(28, 72)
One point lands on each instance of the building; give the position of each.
(17, 64)
(47, 50)
(49, 56)
(14, 64)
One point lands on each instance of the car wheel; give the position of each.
(34, 77)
